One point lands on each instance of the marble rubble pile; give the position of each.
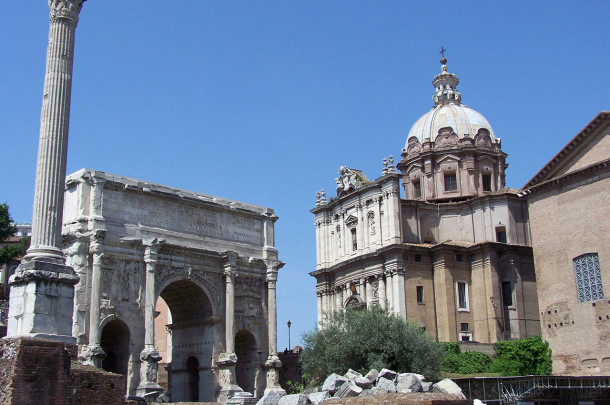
(354, 384)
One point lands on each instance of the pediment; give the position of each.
(351, 221)
(448, 158)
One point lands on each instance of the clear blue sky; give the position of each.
(262, 101)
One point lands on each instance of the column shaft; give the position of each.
(381, 289)
(229, 311)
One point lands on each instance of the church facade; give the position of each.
(454, 254)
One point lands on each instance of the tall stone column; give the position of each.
(149, 357)
(401, 304)
(43, 281)
(93, 353)
(319, 295)
(273, 363)
(227, 360)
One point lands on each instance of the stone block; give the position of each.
(378, 391)
(447, 386)
(372, 375)
(366, 393)
(363, 382)
(317, 398)
(421, 377)
(294, 399)
(348, 389)
(387, 385)
(408, 382)
(333, 382)
(352, 374)
(270, 398)
(426, 386)
(388, 374)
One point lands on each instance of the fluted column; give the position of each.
(227, 360)
(150, 357)
(93, 353)
(43, 272)
(273, 363)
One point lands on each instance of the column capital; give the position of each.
(65, 9)
(151, 250)
(96, 241)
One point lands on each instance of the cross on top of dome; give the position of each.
(446, 85)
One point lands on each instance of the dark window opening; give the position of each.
(354, 240)
(418, 257)
(450, 182)
(464, 327)
(420, 294)
(486, 179)
(501, 234)
(507, 293)
(473, 257)
(459, 257)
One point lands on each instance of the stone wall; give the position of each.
(36, 371)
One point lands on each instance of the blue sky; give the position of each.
(262, 101)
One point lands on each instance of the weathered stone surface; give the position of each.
(318, 397)
(311, 390)
(352, 374)
(379, 391)
(372, 375)
(447, 386)
(421, 377)
(387, 385)
(426, 386)
(414, 398)
(387, 374)
(366, 393)
(363, 382)
(348, 389)
(294, 399)
(408, 382)
(333, 382)
(271, 398)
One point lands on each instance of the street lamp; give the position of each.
(289, 324)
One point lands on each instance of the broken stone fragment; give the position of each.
(447, 386)
(317, 398)
(348, 389)
(408, 382)
(333, 382)
(387, 374)
(378, 391)
(366, 393)
(426, 386)
(386, 384)
(363, 382)
(294, 399)
(352, 374)
(372, 375)
(271, 398)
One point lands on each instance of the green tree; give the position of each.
(366, 339)
(467, 362)
(8, 229)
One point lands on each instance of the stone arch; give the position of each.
(115, 341)
(191, 334)
(162, 284)
(245, 370)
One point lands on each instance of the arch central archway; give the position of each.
(189, 341)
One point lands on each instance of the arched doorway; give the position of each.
(245, 369)
(115, 343)
(190, 375)
(192, 368)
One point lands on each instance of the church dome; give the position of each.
(448, 111)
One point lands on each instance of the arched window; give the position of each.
(588, 278)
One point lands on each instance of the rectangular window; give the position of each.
(459, 257)
(417, 257)
(507, 293)
(486, 180)
(473, 257)
(501, 234)
(462, 295)
(420, 294)
(464, 327)
(416, 189)
(450, 182)
(354, 240)
(588, 278)
(465, 337)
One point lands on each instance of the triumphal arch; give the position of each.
(211, 260)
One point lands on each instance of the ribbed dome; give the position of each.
(448, 111)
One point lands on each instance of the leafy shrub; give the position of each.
(365, 339)
(529, 356)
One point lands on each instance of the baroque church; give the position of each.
(454, 254)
